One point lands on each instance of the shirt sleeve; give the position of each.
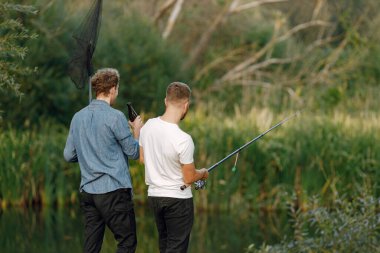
(141, 139)
(186, 151)
(69, 152)
(129, 145)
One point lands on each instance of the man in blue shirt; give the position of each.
(100, 140)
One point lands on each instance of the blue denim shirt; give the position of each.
(100, 140)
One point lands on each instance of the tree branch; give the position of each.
(244, 65)
(206, 36)
(172, 19)
(301, 27)
(220, 60)
(254, 4)
(164, 8)
(317, 9)
(257, 55)
(250, 70)
(228, 9)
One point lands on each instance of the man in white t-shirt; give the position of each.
(167, 153)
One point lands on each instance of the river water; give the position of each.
(61, 230)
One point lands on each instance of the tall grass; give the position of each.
(312, 154)
(33, 171)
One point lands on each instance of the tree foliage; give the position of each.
(132, 45)
(276, 54)
(13, 34)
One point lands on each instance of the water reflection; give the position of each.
(50, 230)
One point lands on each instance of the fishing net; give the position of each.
(80, 65)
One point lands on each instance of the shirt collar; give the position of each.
(99, 102)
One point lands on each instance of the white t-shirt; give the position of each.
(165, 147)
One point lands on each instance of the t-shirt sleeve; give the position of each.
(142, 134)
(186, 151)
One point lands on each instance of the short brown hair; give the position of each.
(177, 91)
(104, 79)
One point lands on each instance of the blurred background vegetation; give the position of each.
(283, 55)
(249, 64)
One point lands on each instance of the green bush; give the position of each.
(352, 224)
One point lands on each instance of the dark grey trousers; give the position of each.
(114, 209)
(174, 220)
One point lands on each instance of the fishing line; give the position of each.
(200, 184)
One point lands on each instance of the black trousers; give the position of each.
(114, 209)
(174, 220)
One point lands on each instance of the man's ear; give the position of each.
(187, 104)
(115, 89)
(166, 103)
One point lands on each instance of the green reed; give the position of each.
(312, 154)
(33, 171)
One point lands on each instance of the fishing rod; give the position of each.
(200, 184)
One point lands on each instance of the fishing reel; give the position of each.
(200, 184)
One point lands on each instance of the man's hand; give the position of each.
(192, 175)
(136, 125)
(205, 173)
